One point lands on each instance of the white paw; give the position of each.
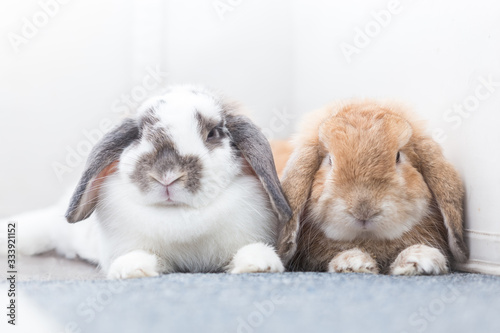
(419, 259)
(256, 258)
(135, 264)
(353, 260)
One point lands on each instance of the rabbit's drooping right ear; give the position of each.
(101, 163)
(256, 150)
(447, 188)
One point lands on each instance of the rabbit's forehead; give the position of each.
(357, 130)
(182, 109)
(178, 116)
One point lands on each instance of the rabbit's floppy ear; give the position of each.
(297, 182)
(447, 188)
(101, 163)
(254, 146)
(299, 174)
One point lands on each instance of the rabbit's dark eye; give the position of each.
(214, 134)
(397, 157)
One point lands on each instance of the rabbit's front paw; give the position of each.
(419, 259)
(256, 258)
(135, 264)
(353, 261)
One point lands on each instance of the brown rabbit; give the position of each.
(370, 192)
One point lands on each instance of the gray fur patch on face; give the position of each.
(151, 130)
(149, 118)
(212, 131)
(189, 165)
(166, 159)
(159, 138)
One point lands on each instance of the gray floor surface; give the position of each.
(289, 302)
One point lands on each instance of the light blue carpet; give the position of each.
(290, 302)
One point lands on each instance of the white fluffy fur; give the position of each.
(255, 258)
(185, 239)
(46, 229)
(135, 264)
(136, 234)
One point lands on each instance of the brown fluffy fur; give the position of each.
(315, 250)
(363, 137)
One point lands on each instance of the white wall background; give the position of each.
(273, 55)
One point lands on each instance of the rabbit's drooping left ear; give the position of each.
(447, 188)
(101, 163)
(298, 177)
(304, 162)
(256, 149)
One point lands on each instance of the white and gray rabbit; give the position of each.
(187, 185)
